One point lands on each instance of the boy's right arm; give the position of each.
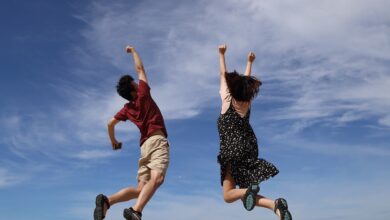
(139, 67)
(111, 133)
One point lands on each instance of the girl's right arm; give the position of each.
(222, 64)
(224, 91)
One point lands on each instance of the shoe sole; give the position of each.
(249, 202)
(98, 213)
(250, 197)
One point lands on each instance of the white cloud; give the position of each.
(332, 148)
(334, 196)
(93, 154)
(8, 179)
(163, 205)
(385, 121)
(329, 58)
(324, 61)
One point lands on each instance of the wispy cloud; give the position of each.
(93, 154)
(335, 197)
(319, 64)
(8, 179)
(328, 58)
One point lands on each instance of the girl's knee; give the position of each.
(227, 198)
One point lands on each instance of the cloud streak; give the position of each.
(328, 58)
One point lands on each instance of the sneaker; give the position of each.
(281, 205)
(249, 200)
(131, 214)
(101, 200)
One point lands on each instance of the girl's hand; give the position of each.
(222, 49)
(251, 57)
(129, 49)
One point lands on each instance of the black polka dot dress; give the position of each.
(239, 150)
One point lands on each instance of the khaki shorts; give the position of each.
(154, 156)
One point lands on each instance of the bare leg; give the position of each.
(266, 203)
(125, 194)
(156, 179)
(230, 193)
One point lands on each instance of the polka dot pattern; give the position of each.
(239, 151)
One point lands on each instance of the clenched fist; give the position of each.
(251, 57)
(129, 49)
(222, 48)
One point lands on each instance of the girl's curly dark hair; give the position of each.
(242, 88)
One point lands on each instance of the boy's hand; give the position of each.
(222, 49)
(116, 145)
(251, 57)
(129, 49)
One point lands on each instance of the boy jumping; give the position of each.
(153, 163)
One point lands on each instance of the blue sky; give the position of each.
(322, 114)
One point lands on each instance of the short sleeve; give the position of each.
(143, 89)
(121, 115)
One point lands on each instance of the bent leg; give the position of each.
(230, 193)
(156, 179)
(124, 195)
(265, 202)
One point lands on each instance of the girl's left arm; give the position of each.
(251, 58)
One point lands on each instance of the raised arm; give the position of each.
(139, 67)
(111, 133)
(222, 64)
(251, 58)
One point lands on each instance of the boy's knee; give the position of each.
(138, 191)
(157, 178)
(141, 185)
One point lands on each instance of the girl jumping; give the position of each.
(238, 156)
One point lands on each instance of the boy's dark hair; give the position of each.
(124, 87)
(242, 88)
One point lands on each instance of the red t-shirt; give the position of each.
(143, 112)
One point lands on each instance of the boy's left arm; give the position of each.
(111, 133)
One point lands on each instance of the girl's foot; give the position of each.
(282, 207)
(249, 199)
(102, 205)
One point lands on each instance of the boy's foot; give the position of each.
(281, 205)
(249, 200)
(101, 200)
(131, 214)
